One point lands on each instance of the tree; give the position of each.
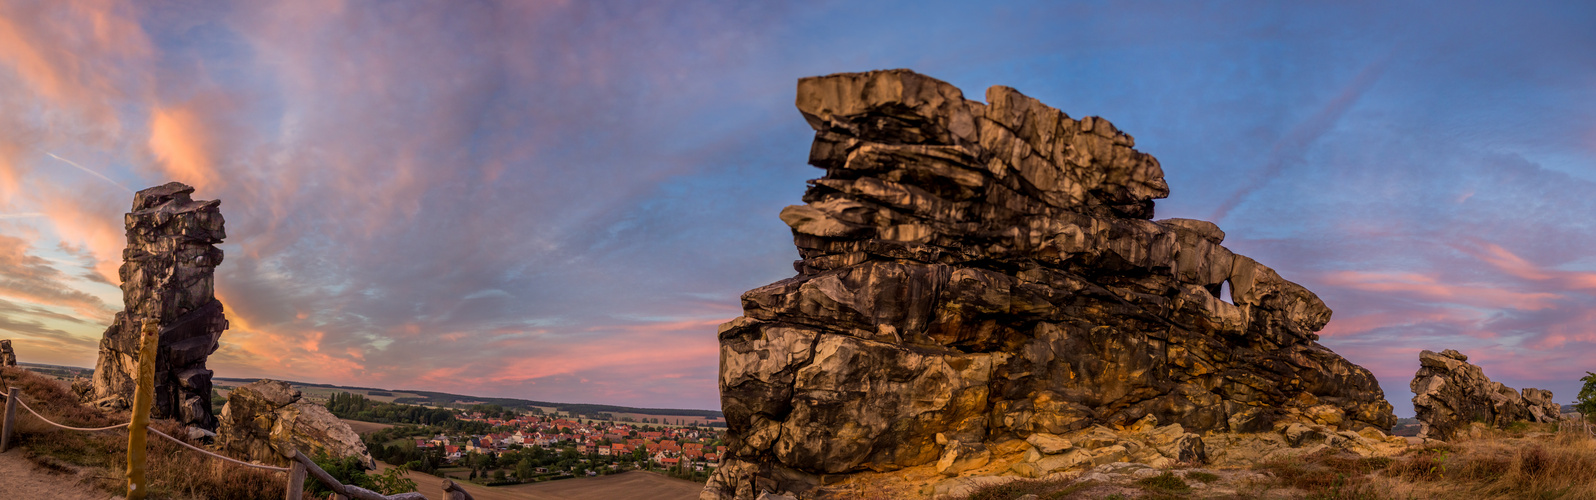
(523, 469)
(1586, 402)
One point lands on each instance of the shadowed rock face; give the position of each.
(7, 357)
(267, 418)
(976, 273)
(1449, 394)
(167, 275)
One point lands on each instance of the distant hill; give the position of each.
(404, 396)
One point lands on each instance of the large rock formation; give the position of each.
(267, 418)
(7, 357)
(1449, 394)
(167, 276)
(974, 275)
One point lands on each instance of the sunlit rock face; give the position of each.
(1449, 394)
(167, 273)
(267, 419)
(976, 274)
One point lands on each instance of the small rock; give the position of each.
(1049, 444)
(959, 457)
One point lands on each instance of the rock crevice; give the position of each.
(977, 273)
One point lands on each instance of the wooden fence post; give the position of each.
(10, 421)
(296, 482)
(143, 397)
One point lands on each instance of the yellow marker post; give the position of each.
(143, 397)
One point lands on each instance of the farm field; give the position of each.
(634, 485)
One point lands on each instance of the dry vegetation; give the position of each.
(1529, 462)
(99, 458)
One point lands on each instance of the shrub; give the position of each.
(1164, 483)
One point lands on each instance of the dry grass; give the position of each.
(1520, 463)
(1042, 488)
(173, 471)
(1533, 466)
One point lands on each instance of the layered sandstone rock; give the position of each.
(7, 357)
(167, 276)
(267, 418)
(974, 275)
(1449, 394)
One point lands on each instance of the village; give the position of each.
(533, 446)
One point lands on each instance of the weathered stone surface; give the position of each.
(167, 276)
(7, 356)
(989, 272)
(1449, 394)
(267, 418)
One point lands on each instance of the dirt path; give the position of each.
(20, 479)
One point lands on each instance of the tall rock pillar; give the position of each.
(167, 276)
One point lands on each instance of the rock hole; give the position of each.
(1224, 292)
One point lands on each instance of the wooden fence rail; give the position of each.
(300, 464)
(1579, 425)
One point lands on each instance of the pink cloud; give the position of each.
(1430, 287)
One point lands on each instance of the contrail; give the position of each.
(1291, 147)
(86, 169)
(23, 215)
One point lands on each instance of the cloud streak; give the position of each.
(91, 172)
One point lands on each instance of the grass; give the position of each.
(1518, 462)
(1044, 489)
(1544, 466)
(1206, 477)
(1166, 483)
(173, 471)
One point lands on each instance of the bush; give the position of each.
(1164, 483)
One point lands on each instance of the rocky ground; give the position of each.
(1533, 461)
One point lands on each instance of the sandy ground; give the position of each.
(364, 427)
(20, 479)
(634, 485)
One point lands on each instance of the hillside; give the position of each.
(431, 398)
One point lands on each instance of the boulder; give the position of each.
(7, 356)
(1449, 394)
(167, 277)
(266, 419)
(989, 272)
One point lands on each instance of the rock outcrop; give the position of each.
(975, 275)
(167, 276)
(267, 418)
(7, 356)
(1449, 394)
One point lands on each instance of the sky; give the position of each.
(561, 200)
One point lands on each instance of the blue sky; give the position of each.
(560, 200)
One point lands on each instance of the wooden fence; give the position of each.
(300, 465)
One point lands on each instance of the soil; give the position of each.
(21, 479)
